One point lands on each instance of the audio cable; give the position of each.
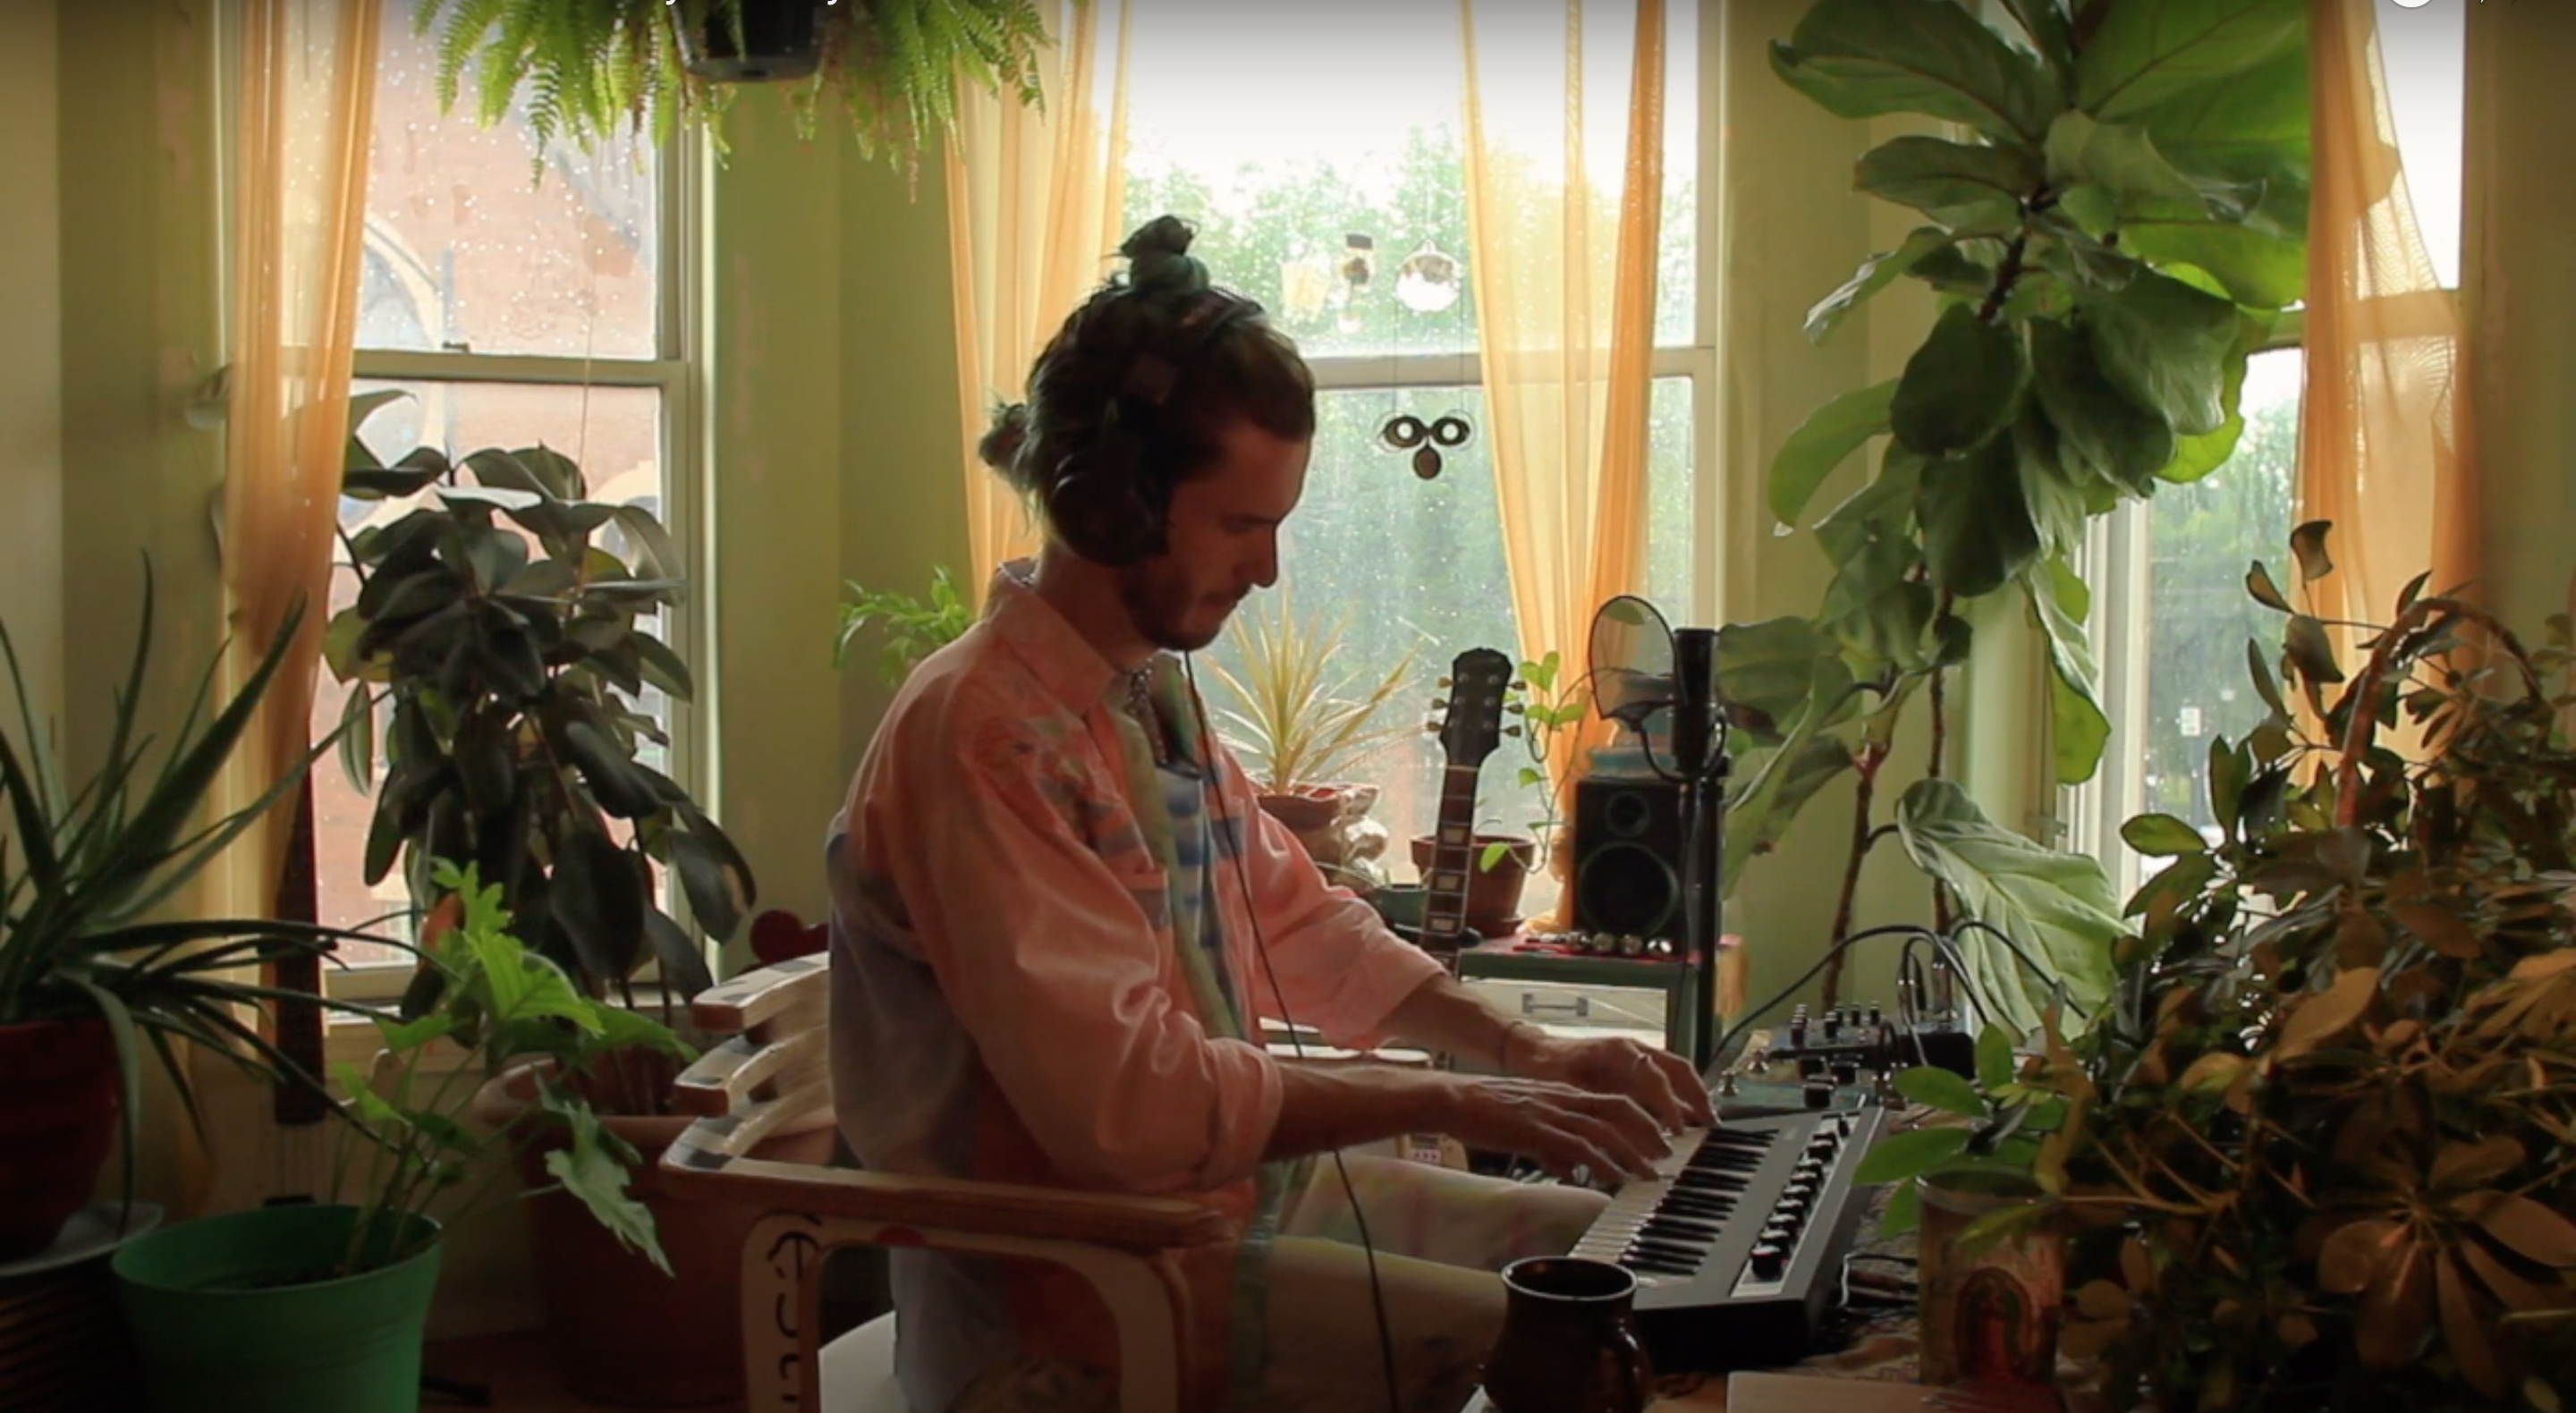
(1296, 1040)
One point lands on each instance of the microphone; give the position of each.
(1694, 698)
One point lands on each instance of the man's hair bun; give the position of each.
(1001, 443)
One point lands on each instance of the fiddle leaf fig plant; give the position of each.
(503, 633)
(2109, 222)
(2319, 1150)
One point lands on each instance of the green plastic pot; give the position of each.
(228, 1315)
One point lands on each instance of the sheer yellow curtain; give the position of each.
(1562, 227)
(1033, 217)
(308, 76)
(2383, 429)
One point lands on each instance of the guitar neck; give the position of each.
(1453, 853)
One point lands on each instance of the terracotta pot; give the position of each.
(625, 1334)
(58, 1107)
(1493, 894)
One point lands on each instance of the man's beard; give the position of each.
(1159, 607)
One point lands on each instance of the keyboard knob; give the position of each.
(1875, 1015)
(1822, 1145)
(1819, 1094)
(1768, 1262)
(1833, 1025)
(1846, 1072)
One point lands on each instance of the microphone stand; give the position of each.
(1701, 763)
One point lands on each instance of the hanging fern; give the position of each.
(584, 70)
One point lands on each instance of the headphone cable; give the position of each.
(1296, 1042)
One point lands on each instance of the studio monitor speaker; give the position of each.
(1628, 856)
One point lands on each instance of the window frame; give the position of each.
(1696, 361)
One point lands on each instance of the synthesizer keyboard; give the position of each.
(1737, 1243)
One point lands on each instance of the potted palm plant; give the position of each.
(1301, 726)
(227, 1312)
(93, 974)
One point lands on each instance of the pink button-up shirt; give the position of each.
(1041, 944)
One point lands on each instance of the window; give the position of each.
(513, 311)
(1286, 194)
(2172, 619)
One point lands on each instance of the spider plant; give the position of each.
(1300, 723)
(84, 875)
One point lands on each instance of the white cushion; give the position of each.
(858, 1371)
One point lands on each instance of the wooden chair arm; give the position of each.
(1117, 1220)
(756, 996)
(741, 1072)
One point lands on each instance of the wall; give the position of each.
(31, 359)
(834, 421)
(141, 326)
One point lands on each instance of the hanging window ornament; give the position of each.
(1406, 432)
(1428, 280)
(1359, 267)
(1305, 286)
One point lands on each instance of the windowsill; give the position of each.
(354, 1039)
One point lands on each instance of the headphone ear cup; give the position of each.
(1098, 504)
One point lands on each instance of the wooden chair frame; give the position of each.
(774, 1071)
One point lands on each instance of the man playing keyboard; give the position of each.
(1060, 919)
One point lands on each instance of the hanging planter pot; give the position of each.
(779, 39)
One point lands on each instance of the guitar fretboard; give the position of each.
(1444, 909)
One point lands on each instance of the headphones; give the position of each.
(1108, 502)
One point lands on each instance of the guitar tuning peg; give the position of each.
(1439, 703)
(1446, 683)
(1432, 726)
(1511, 731)
(1516, 709)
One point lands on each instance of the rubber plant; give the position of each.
(2316, 1153)
(584, 72)
(2112, 216)
(499, 647)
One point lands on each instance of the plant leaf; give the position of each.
(1867, 58)
(2321, 1016)
(1829, 435)
(2161, 836)
(1901, 1157)
(2143, 56)
(2057, 906)
(1977, 527)
(2165, 346)
(1937, 1088)
(1875, 274)
(1961, 387)
(1969, 185)
(2308, 542)
(2078, 727)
